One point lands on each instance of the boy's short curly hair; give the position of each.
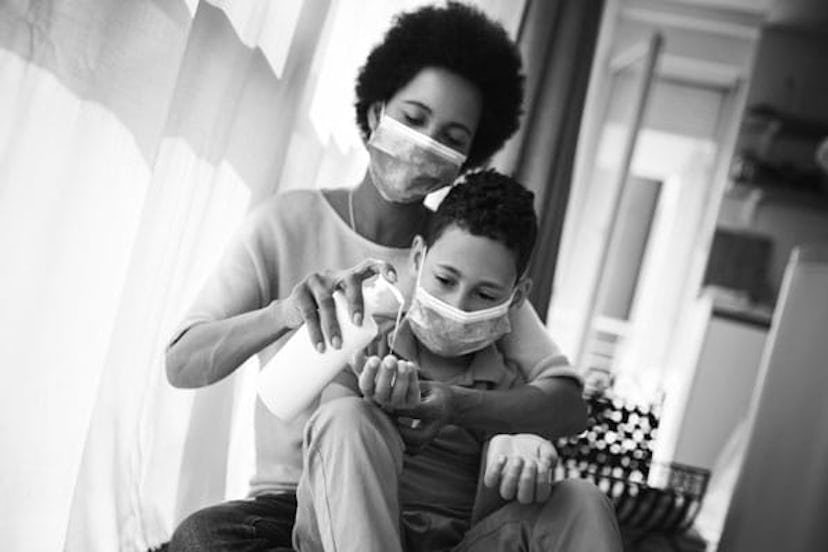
(490, 204)
(458, 38)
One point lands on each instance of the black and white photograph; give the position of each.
(414, 275)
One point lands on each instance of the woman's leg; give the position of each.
(263, 523)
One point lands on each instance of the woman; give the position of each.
(438, 96)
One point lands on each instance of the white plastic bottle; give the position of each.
(290, 381)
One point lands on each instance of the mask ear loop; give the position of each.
(401, 300)
(400, 311)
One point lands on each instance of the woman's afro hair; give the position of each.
(458, 38)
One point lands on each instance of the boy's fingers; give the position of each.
(493, 472)
(368, 376)
(527, 483)
(543, 482)
(358, 361)
(547, 453)
(511, 476)
(385, 379)
(413, 396)
(401, 383)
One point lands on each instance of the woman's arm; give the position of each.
(551, 407)
(210, 351)
(530, 347)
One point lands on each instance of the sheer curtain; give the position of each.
(134, 136)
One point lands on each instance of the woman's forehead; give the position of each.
(447, 95)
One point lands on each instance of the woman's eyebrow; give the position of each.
(453, 124)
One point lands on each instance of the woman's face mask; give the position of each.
(451, 332)
(407, 165)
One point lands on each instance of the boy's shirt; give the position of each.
(439, 484)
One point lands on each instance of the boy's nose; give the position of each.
(462, 301)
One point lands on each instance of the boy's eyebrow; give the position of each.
(455, 272)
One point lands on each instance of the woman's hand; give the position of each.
(311, 301)
(521, 466)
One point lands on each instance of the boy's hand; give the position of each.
(521, 466)
(390, 382)
(429, 415)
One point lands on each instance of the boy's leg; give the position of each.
(263, 523)
(348, 496)
(577, 516)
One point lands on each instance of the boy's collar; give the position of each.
(486, 365)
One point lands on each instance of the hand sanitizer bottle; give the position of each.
(290, 381)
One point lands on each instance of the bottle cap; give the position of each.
(382, 297)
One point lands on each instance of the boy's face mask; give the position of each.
(407, 165)
(451, 332)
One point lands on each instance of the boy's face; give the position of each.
(468, 272)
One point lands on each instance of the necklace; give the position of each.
(351, 209)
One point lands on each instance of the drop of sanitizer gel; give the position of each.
(295, 376)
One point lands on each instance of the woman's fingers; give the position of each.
(304, 302)
(322, 290)
(351, 283)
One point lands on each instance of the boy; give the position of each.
(357, 478)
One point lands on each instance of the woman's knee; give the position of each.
(200, 529)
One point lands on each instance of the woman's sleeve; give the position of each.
(530, 347)
(239, 283)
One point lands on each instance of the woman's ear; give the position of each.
(522, 289)
(373, 114)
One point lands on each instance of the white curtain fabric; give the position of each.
(134, 136)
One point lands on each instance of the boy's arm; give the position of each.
(343, 385)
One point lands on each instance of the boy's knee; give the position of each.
(579, 495)
(349, 419)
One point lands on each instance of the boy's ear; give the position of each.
(417, 251)
(522, 289)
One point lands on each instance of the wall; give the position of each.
(791, 75)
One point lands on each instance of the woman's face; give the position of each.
(420, 144)
(440, 104)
